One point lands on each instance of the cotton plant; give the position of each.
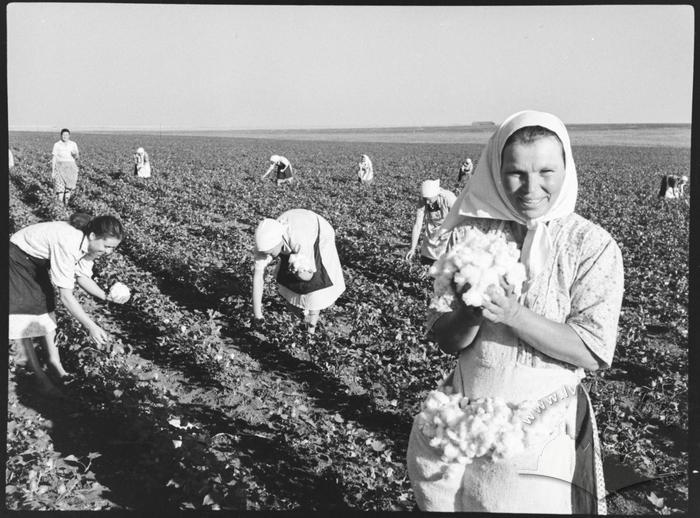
(480, 261)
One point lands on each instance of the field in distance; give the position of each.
(637, 135)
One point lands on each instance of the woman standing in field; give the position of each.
(285, 173)
(64, 170)
(465, 170)
(309, 275)
(56, 253)
(12, 160)
(365, 174)
(142, 167)
(528, 347)
(433, 206)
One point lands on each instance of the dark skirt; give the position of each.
(284, 174)
(31, 291)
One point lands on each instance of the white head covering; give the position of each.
(430, 188)
(140, 151)
(275, 158)
(485, 196)
(268, 234)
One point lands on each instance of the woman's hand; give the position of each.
(410, 255)
(500, 308)
(98, 335)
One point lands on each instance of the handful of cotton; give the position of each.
(463, 430)
(302, 266)
(119, 293)
(480, 261)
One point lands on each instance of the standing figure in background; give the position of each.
(285, 173)
(433, 206)
(309, 275)
(12, 160)
(64, 169)
(672, 186)
(142, 167)
(365, 173)
(56, 254)
(465, 170)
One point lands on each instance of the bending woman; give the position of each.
(283, 168)
(56, 253)
(433, 206)
(526, 348)
(299, 236)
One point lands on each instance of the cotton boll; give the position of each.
(119, 291)
(473, 297)
(452, 415)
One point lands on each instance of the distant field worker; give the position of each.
(285, 173)
(309, 275)
(465, 170)
(56, 254)
(365, 173)
(64, 170)
(12, 160)
(433, 206)
(672, 186)
(142, 167)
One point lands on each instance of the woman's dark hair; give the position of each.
(529, 134)
(79, 220)
(64, 130)
(102, 226)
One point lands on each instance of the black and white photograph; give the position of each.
(350, 258)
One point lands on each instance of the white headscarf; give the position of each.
(485, 196)
(140, 151)
(430, 188)
(268, 234)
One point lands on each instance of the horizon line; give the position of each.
(475, 125)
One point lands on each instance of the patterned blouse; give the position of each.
(581, 285)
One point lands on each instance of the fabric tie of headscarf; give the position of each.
(268, 234)
(485, 197)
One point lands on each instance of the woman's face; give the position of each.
(430, 202)
(65, 136)
(532, 175)
(99, 246)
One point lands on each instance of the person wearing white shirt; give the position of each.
(56, 254)
(142, 166)
(433, 206)
(12, 160)
(465, 170)
(285, 173)
(298, 237)
(365, 173)
(64, 169)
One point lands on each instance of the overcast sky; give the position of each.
(243, 66)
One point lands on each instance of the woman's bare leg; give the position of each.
(312, 320)
(45, 384)
(53, 356)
